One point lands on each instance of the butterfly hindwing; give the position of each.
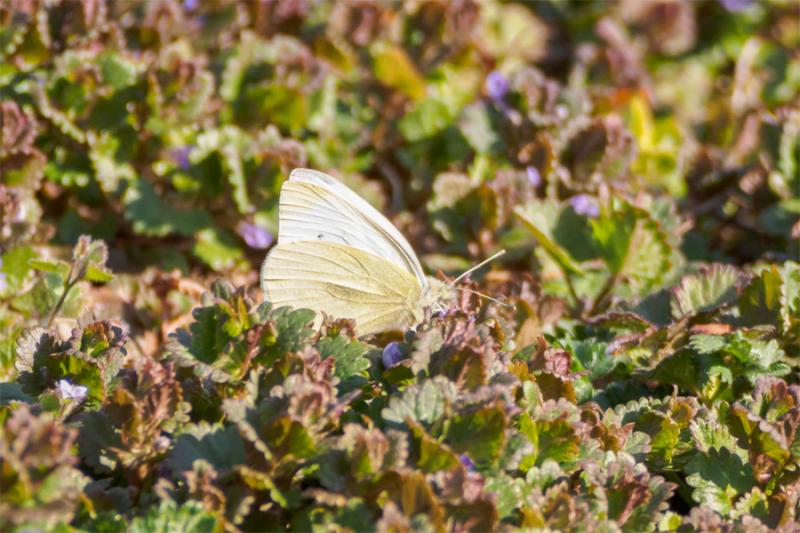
(341, 281)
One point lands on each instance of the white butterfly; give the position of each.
(338, 255)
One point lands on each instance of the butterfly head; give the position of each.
(443, 293)
(438, 295)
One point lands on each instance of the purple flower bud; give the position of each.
(735, 6)
(467, 462)
(181, 156)
(534, 178)
(391, 354)
(496, 86)
(68, 391)
(3, 283)
(585, 205)
(255, 236)
(189, 5)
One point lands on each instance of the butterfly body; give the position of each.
(338, 255)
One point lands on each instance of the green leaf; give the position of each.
(40, 487)
(367, 450)
(707, 344)
(350, 355)
(424, 403)
(754, 504)
(116, 70)
(665, 424)
(430, 454)
(292, 330)
(705, 291)
(512, 32)
(273, 433)
(744, 356)
(12, 392)
(449, 89)
(534, 219)
(393, 68)
(709, 432)
(632, 245)
(34, 347)
(766, 424)
(168, 517)
(218, 248)
(760, 301)
(779, 219)
(15, 264)
(480, 433)
(153, 216)
(718, 478)
(209, 337)
(285, 107)
(476, 126)
(591, 355)
(509, 492)
(553, 437)
(425, 119)
(613, 233)
(61, 268)
(223, 448)
(107, 152)
(98, 275)
(42, 298)
(98, 441)
(225, 333)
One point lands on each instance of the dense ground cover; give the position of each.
(638, 160)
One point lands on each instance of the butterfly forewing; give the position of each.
(343, 282)
(317, 207)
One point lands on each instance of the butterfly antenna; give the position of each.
(476, 267)
(495, 300)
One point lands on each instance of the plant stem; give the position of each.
(68, 284)
(572, 292)
(604, 292)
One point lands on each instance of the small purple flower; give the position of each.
(585, 205)
(467, 462)
(181, 156)
(68, 391)
(391, 354)
(255, 236)
(735, 6)
(496, 86)
(189, 5)
(3, 282)
(534, 178)
(162, 443)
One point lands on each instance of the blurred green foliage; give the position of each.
(639, 161)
